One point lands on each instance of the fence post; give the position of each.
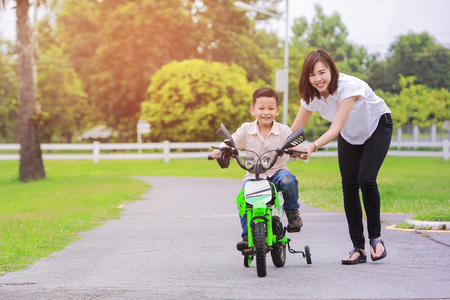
(96, 151)
(416, 133)
(166, 151)
(399, 140)
(445, 149)
(433, 132)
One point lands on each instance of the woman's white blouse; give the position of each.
(365, 114)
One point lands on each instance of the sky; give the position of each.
(376, 24)
(372, 24)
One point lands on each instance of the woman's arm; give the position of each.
(302, 118)
(338, 122)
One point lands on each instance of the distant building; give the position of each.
(99, 133)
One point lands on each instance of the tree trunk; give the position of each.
(31, 165)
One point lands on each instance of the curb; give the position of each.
(442, 226)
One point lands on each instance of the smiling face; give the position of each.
(320, 78)
(265, 110)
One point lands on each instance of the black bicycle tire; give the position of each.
(260, 248)
(308, 255)
(278, 252)
(247, 260)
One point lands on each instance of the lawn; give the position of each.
(409, 185)
(40, 217)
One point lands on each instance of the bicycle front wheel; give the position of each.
(260, 248)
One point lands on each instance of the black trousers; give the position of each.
(359, 166)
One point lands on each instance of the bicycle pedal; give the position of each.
(247, 252)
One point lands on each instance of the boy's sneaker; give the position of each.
(295, 220)
(242, 245)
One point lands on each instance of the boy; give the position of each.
(266, 134)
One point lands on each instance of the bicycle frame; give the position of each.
(256, 199)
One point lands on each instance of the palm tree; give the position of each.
(31, 165)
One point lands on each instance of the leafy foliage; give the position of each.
(329, 33)
(231, 37)
(418, 104)
(60, 90)
(9, 94)
(116, 45)
(97, 67)
(413, 55)
(187, 101)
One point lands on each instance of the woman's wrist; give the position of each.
(316, 147)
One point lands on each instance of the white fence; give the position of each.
(400, 149)
(164, 150)
(97, 147)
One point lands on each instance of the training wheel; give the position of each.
(308, 255)
(247, 260)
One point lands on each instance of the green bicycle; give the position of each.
(258, 198)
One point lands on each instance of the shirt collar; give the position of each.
(254, 129)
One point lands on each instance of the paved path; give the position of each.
(179, 243)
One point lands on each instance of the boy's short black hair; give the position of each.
(265, 92)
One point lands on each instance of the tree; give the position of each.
(417, 104)
(231, 37)
(187, 101)
(117, 45)
(9, 91)
(31, 165)
(61, 91)
(330, 33)
(413, 55)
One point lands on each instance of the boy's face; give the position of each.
(265, 110)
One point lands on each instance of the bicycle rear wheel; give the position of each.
(278, 252)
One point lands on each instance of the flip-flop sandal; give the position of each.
(373, 244)
(359, 260)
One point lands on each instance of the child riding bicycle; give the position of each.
(260, 136)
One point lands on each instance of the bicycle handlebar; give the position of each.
(233, 152)
(292, 151)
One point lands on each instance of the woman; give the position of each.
(362, 122)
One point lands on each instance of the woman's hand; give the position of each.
(295, 154)
(303, 156)
(310, 148)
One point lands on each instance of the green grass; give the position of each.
(40, 217)
(405, 225)
(409, 185)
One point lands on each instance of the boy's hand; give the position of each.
(215, 153)
(295, 154)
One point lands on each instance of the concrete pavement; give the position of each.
(179, 243)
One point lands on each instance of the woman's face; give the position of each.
(320, 78)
